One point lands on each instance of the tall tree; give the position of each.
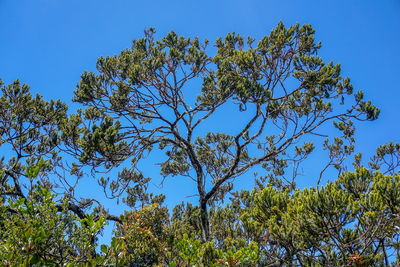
(146, 96)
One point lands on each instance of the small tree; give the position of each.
(144, 97)
(41, 228)
(352, 221)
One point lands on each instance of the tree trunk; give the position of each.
(205, 224)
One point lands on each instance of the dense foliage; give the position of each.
(143, 100)
(352, 221)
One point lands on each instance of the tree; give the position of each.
(145, 234)
(352, 220)
(29, 131)
(40, 228)
(144, 97)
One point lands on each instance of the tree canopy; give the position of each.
(161, 95)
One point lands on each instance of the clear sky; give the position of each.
(49, 43)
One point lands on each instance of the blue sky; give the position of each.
(49, 43)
